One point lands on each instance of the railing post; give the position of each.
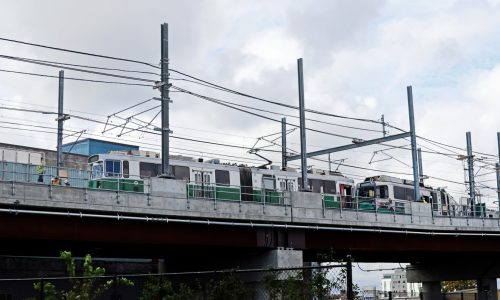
(263, 195)
(350, 294)
(42, 289)
(341, 206)
(323, 203)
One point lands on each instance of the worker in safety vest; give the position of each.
(40, 170)
(55, 180)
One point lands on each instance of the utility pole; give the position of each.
(60, 121)
(497, 167)
(303, 152)
(384, 132)
(413, 136)
(165, 101)
(283, 143)
(420, 168)
(329, 164)
(470, 161)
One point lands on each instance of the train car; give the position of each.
(127, 171)
(390, 194)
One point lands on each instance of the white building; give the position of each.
(398, 285)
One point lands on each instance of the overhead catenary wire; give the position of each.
(217, 101)
(76, 79)
(292, 116)
(76, 69)
(219, 87)
(79, 52)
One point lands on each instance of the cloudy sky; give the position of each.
(359, 56)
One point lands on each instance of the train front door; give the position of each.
(345, 192)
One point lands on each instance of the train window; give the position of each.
(126, 169)
(112, 168)
(222, 177)
(181, 172)
(383, 192)
(329, 187)
(410, 194)
(399, 193)
(290, 185)
(268, 182)
(316, 185)
(97, 170)
(434, 201)
(148, 169)
(367, 191)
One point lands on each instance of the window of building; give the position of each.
(112, 168)
(222, 177)
(126, 169)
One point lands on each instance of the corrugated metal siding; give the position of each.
(78, 148)
(100, 147)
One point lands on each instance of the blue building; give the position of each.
(90, 147)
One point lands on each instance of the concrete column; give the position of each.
(431, 290)
(487, 289)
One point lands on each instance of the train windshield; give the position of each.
(371, 191)
(96, 170)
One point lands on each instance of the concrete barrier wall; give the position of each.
(168, 198)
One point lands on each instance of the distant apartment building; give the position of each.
(397, 284)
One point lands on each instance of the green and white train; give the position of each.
(127, 171)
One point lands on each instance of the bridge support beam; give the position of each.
(487, 289)
(431, 290)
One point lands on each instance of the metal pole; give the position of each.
(60, 121)
(283, 143)
(413, 143)
(420, 168)
(383, 125)
(303, 152)
(329, 163)
(470, 161)
(350, 294)
(498, 170)
(165, 101)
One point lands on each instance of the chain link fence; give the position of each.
(318, 282)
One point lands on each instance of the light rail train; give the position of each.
(127, 171)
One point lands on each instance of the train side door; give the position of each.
(342, 195)
(203, 187)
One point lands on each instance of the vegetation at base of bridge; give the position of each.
(86, 287)
(457, 285)
(84, 281)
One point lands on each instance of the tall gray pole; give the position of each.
(413, 143)
(165, 101)
(470, 161)
(420, 168)
(329, 163)
(498, 170)
(283, 143)
(303, 152)
(383, 125)
(60, 121)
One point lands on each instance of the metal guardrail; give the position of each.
(18, 172)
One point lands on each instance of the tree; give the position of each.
(457, 285)
(85, 287)
(156, 288)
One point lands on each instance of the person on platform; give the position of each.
(40, 170)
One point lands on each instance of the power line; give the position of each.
(79, 52)
(74, 78)
(217, 101)
(219, 87)
(75, 69)
(288, 115)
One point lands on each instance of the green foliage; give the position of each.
(229, 287)
(457, 285)
(85, 288)
(156, 288)
(300, 284)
